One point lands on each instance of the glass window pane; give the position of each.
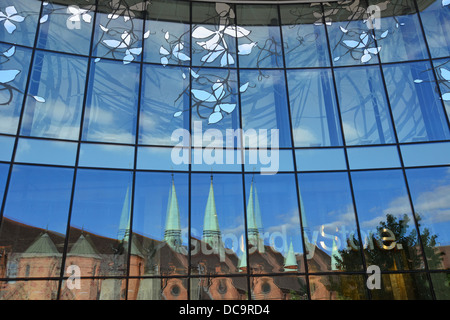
(273, 224)
(279, 288)
(436, 23)
(4, 170)
(320, 159)
(29, 290)
(6, 148)
(364, 107)
(14, 64)
(442, 71)
(312, 98)
(329, 222)
(106, 156)
(168, 29)
(153, 158)
(95, 289)
(268, 161)
(387, 225)
(67, 28)
(350, 35)
(417, 110)
(164, 105)
(214, 105)
(431, 199)
(216, 159)
(118, 30)
(46, 152)
(441, 285)
(373, 157)
(305, 41)
(214, 35)
(426, 154)
(403, 286)
(23, 16)
(219, 288)
(259, 39)
(217, 223)
(264, 106)
(337, 287)
(157, 289)
(58, 80)
(99, 248)
(399, 34)
(35, 220)
(160, 224)
(111, 107)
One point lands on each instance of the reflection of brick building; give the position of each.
(158, 268)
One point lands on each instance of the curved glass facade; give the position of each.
(197, 150)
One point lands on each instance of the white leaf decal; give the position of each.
(384, 34)
(351, 43)
(445, 3)
(244, 87)
(43, 19)
(203, 95)
(8, 75)
(10, 52)
(147, 34)
(215, 117)
(178, 113)
(246, 48)
(227, 107)
(446, 96)
(445, 74)
(39, 99)
(418, 81)
(201, 33)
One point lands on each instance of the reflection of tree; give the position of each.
(395, 247)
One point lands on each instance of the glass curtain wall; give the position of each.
(173, 150)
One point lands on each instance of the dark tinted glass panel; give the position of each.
(35, 221)
(441, 285)
(157, 289)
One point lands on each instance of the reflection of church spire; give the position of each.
(211, 230)
(290, 262)
(254, 224)
(124, 225)
(172, 232)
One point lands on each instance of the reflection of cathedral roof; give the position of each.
(43, 245)
(83, 247)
